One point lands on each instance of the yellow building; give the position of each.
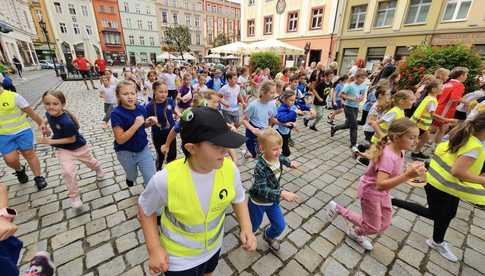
(37, 8)
(372, 29)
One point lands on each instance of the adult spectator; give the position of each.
(18, 65)
(83, 66)
(388, 68)
(100, 65)
(359, 64)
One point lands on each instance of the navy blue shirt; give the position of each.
(124, 118)
(64, 126)
(165, 119)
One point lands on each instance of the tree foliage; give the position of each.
(221, 39)
(178, 37)
(266, 59)
(426, 59)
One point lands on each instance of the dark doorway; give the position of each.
(315, 55)
(132, 58)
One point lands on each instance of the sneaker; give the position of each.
(363, 161)
(21, 175)
(274, 244)
(331, 209)
(40, 182)
(76, 203)
(130, 183)
(313, 128)
(305, 122)
(443, 249)
(330, 122)
(362, 148)
(361, 240)
(332, 131)
(419, 155)
(40, 265)
(291, 143)
(354, 148)
(99, 173)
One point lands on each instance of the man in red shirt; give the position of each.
(100, 64)
(451, 96)
(83, 65)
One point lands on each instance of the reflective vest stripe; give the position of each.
(450, 184)
(199, 228)
(180, 239)
(216, 236)
(10, 116)
(14, 124)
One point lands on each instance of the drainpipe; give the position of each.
(331, 35)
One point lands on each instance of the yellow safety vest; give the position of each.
(384, 126)
(185, 230)
(423, 117)
(439, 172)
(12, 118)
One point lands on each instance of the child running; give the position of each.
(129, 121)
(454, 174)
(259, 115)
(108, 94)
(336, 99)
(152, 77)
(320, 92)
(383, 174)
(265, 193)
(194, 193)
(185, 93)
(378, 109)
(230, 97)
(162, 107)
(286, 116)
(70, 145)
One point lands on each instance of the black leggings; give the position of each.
(159, 138)
(441, 209)
(286, 146)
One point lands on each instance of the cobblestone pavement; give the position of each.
(105, 238)
(34, 83)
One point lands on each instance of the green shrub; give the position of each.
(266, 59)
(426, 59)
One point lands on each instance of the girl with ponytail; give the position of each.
(454, 174)
(384, 172)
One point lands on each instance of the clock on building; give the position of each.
(280, 6)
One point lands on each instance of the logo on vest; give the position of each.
(5, 104)
(223, 194)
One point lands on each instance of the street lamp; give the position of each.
(44, 30)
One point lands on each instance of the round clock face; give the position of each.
(280, 6)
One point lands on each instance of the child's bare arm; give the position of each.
(158, 259)
(247, 237)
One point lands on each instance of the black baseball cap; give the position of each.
(207, 124)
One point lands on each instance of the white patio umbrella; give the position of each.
(213, 55)
(188, 56)
(232, 48)
(165, 55)
(230, 57)
(275, 45)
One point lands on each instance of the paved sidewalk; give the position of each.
(105, 237)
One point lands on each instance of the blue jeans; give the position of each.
(132, 161)
(9, 255)
(251, 143)
(275, 216)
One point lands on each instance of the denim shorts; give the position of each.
(23, 140)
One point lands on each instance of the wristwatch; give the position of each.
(8, 213)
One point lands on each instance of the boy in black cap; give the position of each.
(193, 194)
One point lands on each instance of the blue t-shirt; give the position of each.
(64, 126)
(371, 99)
(259, 113)
(165, 119)
(338, 90)
(217, 84)
(354, 90)
(124, 118)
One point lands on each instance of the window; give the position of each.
(401, 53)
(174, 3)
(230, 26)
(268, 24)
(251, 27)
(89, 30)
(72, 10)
(144, 57)
(148, 10)
(375, 54)
(111, 9)
(350, 54)
(317, 18)
(197, 38)
(127, 8)
(75, 26)
(251, 2)
(357, 18)
(63, 28)
(150, 25)
(418, 11)
(187, 20)
(105, 23)
(137, 8)
(142, 41)
(292, 22)
(84, 10)
(74, 19)
(114, 25)
(480, 48)
(131, 40)
(197, 21)
(385, 13)
(220, 25)
(128, 22)
(457, 10)
(140, 24)
(57, 5)
(175, 18)
(186, 4)
(152, 41)
(164, 17)
(101, 8)
(210, 36)
(112, 38)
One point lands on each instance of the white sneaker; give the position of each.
(332, 210)
(443, 249)
(76, 203)
(355, 148)
(361, 240)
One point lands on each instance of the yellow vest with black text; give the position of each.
(384, 126)
(12, 118)
(439, 172)
(422, 116)
(185, 229)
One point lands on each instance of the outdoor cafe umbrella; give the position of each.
(232, 48)
(165, 55)
(276, 46)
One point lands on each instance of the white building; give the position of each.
(74, 27)
(15, 16)
(141, 30)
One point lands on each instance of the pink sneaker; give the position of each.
(99, 173)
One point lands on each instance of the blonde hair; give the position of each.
(266, 87)
(397, 128)
(401, 95)
(269, 136)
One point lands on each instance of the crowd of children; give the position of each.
(204, 107)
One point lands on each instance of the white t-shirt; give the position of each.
(230, 95)
(149, 88)
(470, 97)
(372, 112)
(109, 94)
(155, 197)
(201, 90)
(170, 78)
(242, 81)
